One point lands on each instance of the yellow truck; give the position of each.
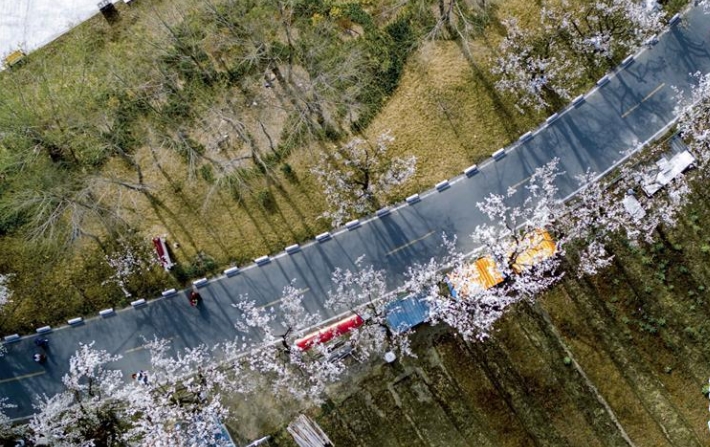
(484, 273)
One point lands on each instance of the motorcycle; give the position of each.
(195, 298)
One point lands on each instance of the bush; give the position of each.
(288, 172)
(207, 173)
(266, 199)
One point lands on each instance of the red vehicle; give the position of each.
(161, 250)
(328, 333)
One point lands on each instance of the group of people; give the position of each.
(141, 376)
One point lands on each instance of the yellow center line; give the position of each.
(26, 376)
(525, 180)
(653, 92)
(300, 292)
(402, 247)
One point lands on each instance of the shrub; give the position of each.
(265, 198)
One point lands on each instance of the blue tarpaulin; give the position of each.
(407, 312)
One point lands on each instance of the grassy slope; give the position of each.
(444, 111)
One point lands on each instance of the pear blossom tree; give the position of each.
(514, 228)
(532, 71)
(364, 291)
(88, 410)
(180, 402)
(356, 175)
(542, 68)
(7, 430)
(286, 368)
(5, 292)
(5, 295)
(127, 261)
(177, 403)
(596, 215)
(694, 118)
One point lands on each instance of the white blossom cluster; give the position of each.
(177, 404)
(355, 176)
(573, 38)
(5, 292)
(694, 119)
(127, 261)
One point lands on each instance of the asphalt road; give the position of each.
(31, 24)
(635, 105)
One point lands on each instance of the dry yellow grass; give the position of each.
(445, 112)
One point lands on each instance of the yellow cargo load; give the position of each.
(470, 279)
(537, 247)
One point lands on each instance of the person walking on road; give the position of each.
(141, 376)
(39, 358)
(195, 297)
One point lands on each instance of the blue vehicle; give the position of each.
(407, 312)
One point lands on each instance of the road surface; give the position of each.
(31, 24)
(635, 105)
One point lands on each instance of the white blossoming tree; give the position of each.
(518, 221)
(694, 119)
(5, 295)
(542, 67)
(364, 292)
(357, 175)
(88, 410)
(7, 429)
(275, 358)
(129, 260)
(178, 402)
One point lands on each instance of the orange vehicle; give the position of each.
(481, 274)
(330, 332)
(537, 246)
(484, 273)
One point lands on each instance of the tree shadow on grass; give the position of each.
(193, 209)
(508, 119)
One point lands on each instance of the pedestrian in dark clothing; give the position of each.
(42, 343)
(195, 298)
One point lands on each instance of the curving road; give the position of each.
(635, 105)
(31, 24)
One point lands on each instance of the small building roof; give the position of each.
(633, 207)
(537, 246)
(666, 169)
